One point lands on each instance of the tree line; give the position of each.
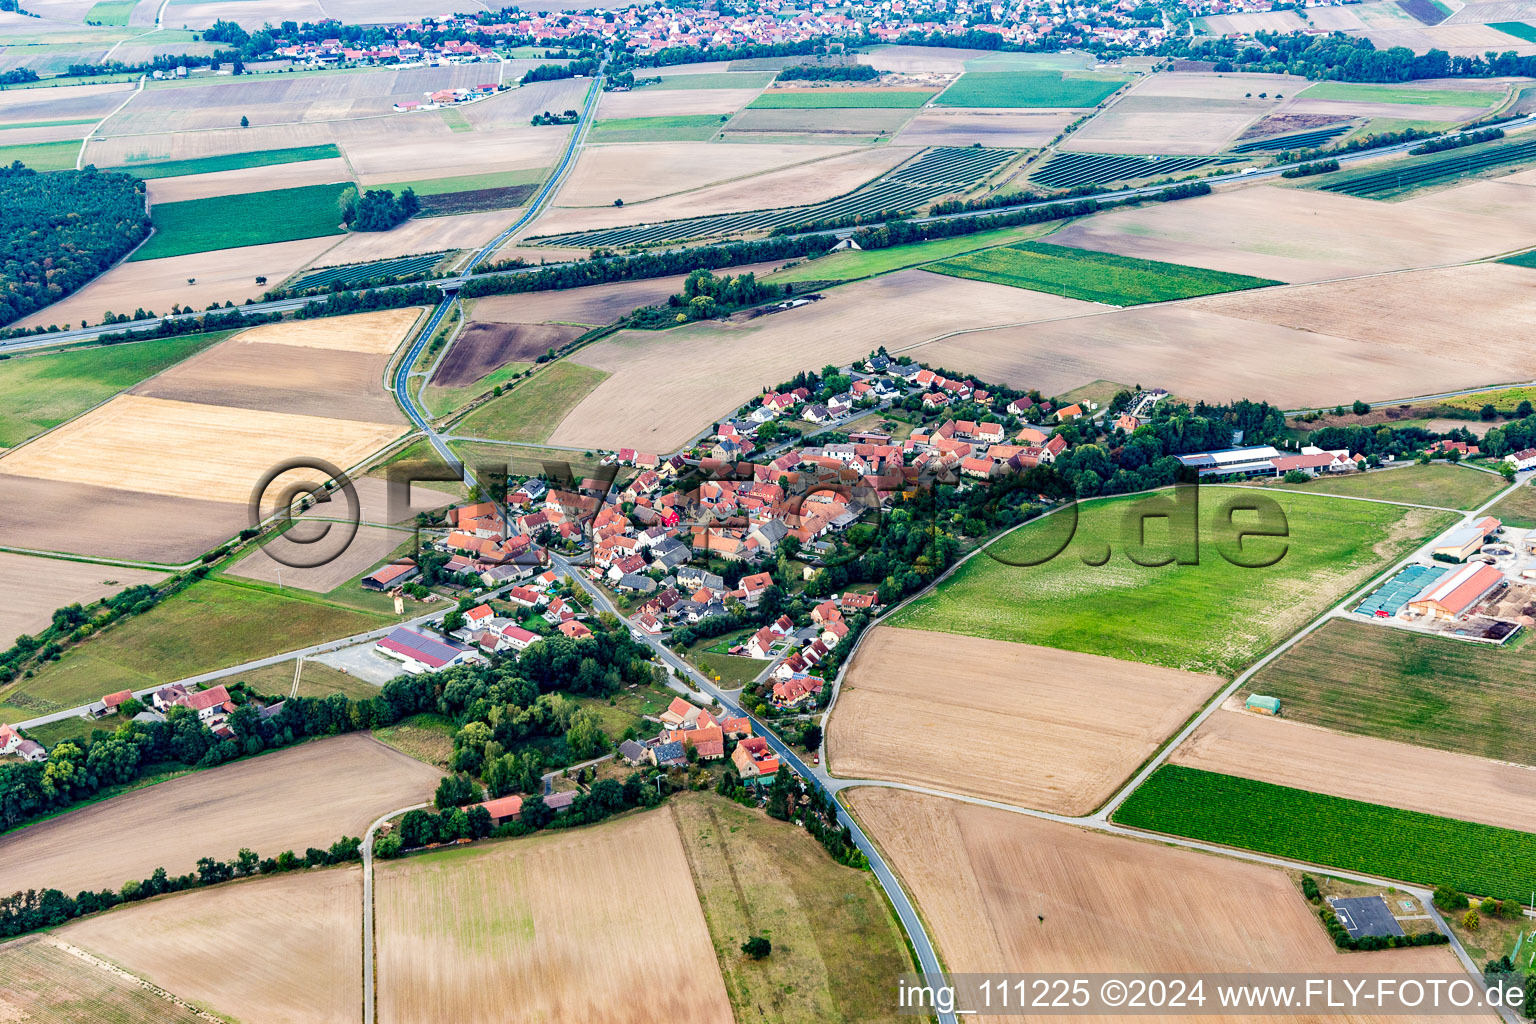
(377, 209)
(828, 73)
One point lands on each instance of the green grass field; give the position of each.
(1094, 276)
(212, 624)
(43, 156)
(532, 410)
(1210, 617)
(1524, 259)
(256, 218)
(1519, 509)
(818, 99)
(47, 124)
(1518, 29)
(1431, 691)
(852, 264)
(42, 391)
(1041, 88)
(426, 737)
(677, 128)
(443, 400)
(232, 161)
(469, 182)
(110, 12)
(1335, 832)
(455, 120)
(1438, 483)
(1505, 400)
(1364, 93)
(714, 80)
(316, 680)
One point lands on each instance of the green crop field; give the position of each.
(1431, 691)
(211, 624)
(469, 182)
(1210, 617)
(676, 128)
(43, 156)
(110, 12)
(47, 124)
(42, 391)
(1518, 29)
(852, 264)
(1030, 89)
(815, 99)
(1094, 276)
(256, 218)
(1438, 483)
(714, 80)
(1524, 259)
(532, 410)
(1402, 94)
(1519, 509)
(232, 161)
(1334, 832)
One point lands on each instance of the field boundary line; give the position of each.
(369, 973)
(120, 563)
(148, 986)
(80, 156)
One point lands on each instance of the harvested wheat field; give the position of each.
(367, 548)
(34, 587)
(307, 795)
(277, 950)
(245, 373)
(25, 106)
(42, 981)
(422, 235)
(247, 179)
(593, 304)
(481, 348)
(82, 519)
(1183, 113)
(964, 126)
(561, 927)
(228, 275)
(115, 151)
(1303, 235)
(188, 449)
(1033, 726)
(426, 148)
(1377, 771)
(371, 333)
(376, 507)
(673, 102)
(712, 368)
(984, 877)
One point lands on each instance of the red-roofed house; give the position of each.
(761, 642)
(797, 689)
(754, 758)
(503, 809)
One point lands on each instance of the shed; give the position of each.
(1263, 705)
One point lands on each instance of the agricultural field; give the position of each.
(307, 795)
(1384, 841)
(1414, 173)
(37, 587)
(515, 930)
(1518, 510)
(316, 680)
(369, 547)
(426, 737)
(42, 156)
(402, 267)
(1040, 88)
(817, 99)
(671, 79)
(228, 222)
(270, 949)
(1411, 93)
(851, 264)
(948, 712)
(1211, 617)
(663, 128)
(591, 305)
(1518, 29)
(533, 409)
(1184, 112)
(1286, 753)
(1091, 276)
(1438, 483)
(1108, 903)
(420, 235)
(997, 127)
(215, 184)
(41, 981)
(233, 161)
(1505, 400)
(209, 625)
(835, 943)
(41, 391)
(1426, 690)
(818, 126)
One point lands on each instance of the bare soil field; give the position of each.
(1342, 109)
(1255, 21)
(374, 503)
(1304, 235)
(822, 125)
(203, 15)
(516, 107)
(963, 126)
(80, 518)
(275, 950)
(36, 586)
(593, 304)
(386, 151)
(244, 373)
(712, 368)
(803, 183)
(39, 981)
(1167, 124)
(481, 348)
(648, 170)
(1053, 730)
(673, 102)
(19, 106)
(225, 276)
(369, 547)
(308, 795)
(427, 234)
(1007, 892)
(517, 930)
(189, 450)
(248, 179)
(31, 136)
(1378, 771)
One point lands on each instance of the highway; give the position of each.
(452, 284)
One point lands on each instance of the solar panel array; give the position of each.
(1064, 170)
(1390, 598)
(1295, 140)
(905, 189)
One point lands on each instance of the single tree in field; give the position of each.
(757, 947)
(245, 122)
